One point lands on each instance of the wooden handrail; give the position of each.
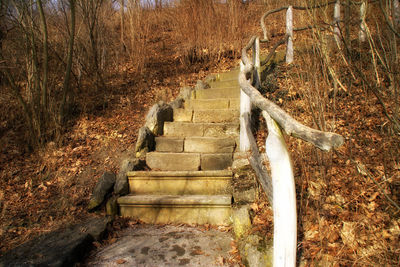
(323, 140)
(279, 187)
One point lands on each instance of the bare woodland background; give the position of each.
(76, 78)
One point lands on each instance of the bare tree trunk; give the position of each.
(122, 11)
(66, 83)
(45, 104)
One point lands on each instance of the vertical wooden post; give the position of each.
(289, 32)
(363, 11)
(257, 64)
(336, 20)
(245, 106)
(284, 196)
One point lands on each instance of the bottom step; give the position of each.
(191, 209)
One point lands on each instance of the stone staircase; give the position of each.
(190, 180)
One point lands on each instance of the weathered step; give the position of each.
(225, 83)
(164, 161)
(227, 92)
(180, 182)
(209, 144)
(192, 209)
(222, 103)
(169, 144)
(173, 161)
(183, 129)
(216, 115)
(206, 115)
(195, 144)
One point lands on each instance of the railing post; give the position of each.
(257, 64)
(289, 33)
(245, 106)
(363, 11)
(336, 20)
(284, 196)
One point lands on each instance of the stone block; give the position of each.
(183, 129)
(169, 144)
(215, 115)
(173, 161)
(102, 188)
(209, 145)
(145, 142)
(241, 221)
(121, 186)
(216, 161)
(182, 114)
(158, 114)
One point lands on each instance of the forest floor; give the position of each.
(344, 215)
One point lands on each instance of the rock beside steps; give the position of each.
(190, 180)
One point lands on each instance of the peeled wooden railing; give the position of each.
(280, 186)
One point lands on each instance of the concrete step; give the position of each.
(216, 115)
(225, 83)
(183, 129)
(209, 144)
(227, 92)
(192, 209)
(222, 103)
(180, 182)
(164, 161)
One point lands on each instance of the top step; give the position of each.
(224, 84)
(230, 75)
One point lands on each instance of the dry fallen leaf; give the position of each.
(120, 261)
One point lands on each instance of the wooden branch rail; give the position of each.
(337, 2)
(256, 161)
(323, 140)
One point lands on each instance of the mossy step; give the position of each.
(191, 209)
(180, 182)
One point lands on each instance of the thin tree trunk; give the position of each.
(45, 59)
(66, 84)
